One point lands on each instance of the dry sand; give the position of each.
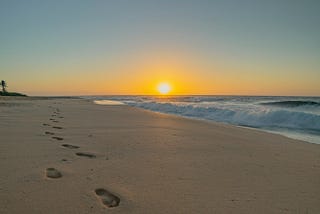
(119, 159)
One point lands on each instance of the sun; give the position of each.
(164, 88)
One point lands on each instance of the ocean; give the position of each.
(294, 117)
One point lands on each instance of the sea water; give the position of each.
(295, 117)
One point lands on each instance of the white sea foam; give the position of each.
(108, 102)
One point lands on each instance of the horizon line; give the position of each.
(174, 95)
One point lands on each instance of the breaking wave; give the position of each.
(292, 103)
(253, 117)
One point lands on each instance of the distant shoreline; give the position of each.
(12, 94)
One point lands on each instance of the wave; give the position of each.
(292, 103)
(244, 116)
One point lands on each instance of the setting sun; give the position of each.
(164, 88)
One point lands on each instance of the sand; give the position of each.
(120, 159)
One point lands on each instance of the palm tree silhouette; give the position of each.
(4, 86)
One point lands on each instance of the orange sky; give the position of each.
(187, 74)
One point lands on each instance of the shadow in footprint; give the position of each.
(88, 155)
(70, 146)
(45, 124)
(49, 133)
(57, 127)
(53, 173)
(57, 138)
(107, 198)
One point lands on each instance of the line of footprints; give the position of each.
(107, 198)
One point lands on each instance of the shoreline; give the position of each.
(286, 133)
(153, 162)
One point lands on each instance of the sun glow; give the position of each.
(164, 88)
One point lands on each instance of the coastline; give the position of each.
(296, 118)
(285, 133)
(153, 162)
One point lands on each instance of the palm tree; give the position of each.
(4, 86)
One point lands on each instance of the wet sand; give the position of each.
(73, 156)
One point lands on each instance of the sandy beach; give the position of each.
(73, 156)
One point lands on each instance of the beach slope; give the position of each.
(73, 156)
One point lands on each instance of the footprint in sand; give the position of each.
(88, 155)
(53, 173)
(70, 146)
(107, 198)
(45, 124)
(61, 117)
(57, 138)
(49, 133)
(57, 127)
(55, 121)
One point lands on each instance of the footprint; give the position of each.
(61, 117)
(57, 127)
(88, 155)
(107, 198)
(45, 124)
(70, 146)
(55, 121)
(51, 119)
(53, 173)
(57, 138)
(49, 133)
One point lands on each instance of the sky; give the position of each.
(113, 47)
